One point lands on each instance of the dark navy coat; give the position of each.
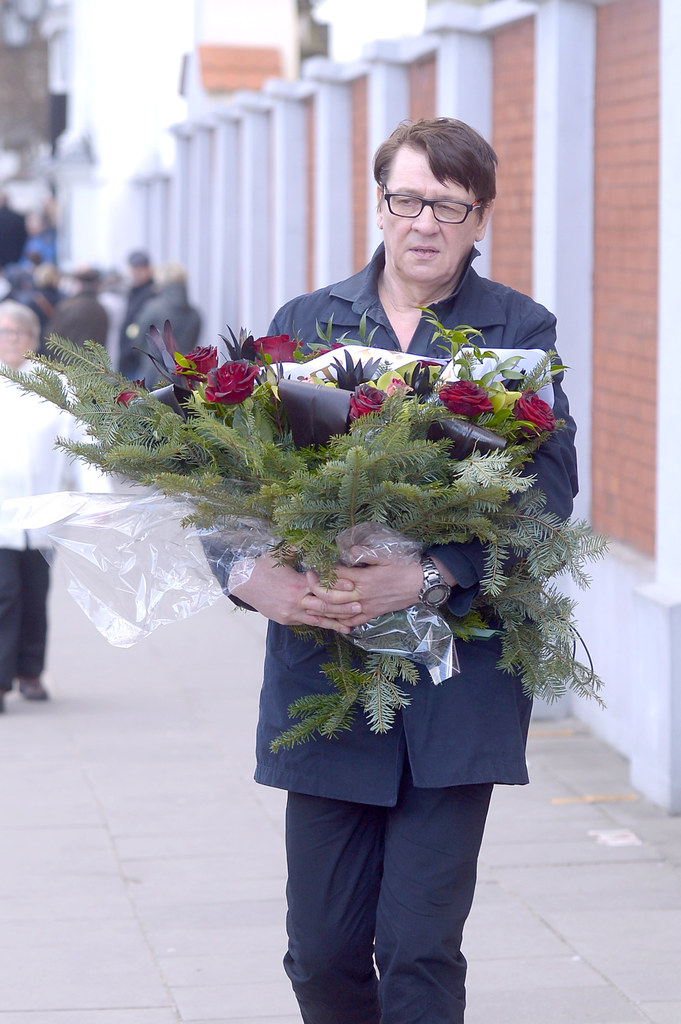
(473, 727)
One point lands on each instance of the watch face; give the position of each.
(437, 594)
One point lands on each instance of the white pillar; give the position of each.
(668, 500)
(289, 189)
(387, 105)
(196, 260)
(179, 226)
(158, 198)
(656, 756)
(565, 42)
(255, 213)
(223, 240)
(333, 170)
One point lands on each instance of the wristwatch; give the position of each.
(435, 590)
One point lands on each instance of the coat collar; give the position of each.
(471, 302)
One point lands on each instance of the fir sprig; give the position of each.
(239, 463)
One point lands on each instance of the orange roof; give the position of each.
(227, 68)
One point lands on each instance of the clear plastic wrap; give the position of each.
(418, 633)
(133, 566)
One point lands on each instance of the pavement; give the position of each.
(142, 870)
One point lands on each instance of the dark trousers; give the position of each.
(394, 883)
(24, 583)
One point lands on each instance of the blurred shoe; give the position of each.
(2, 701)
(31, 688)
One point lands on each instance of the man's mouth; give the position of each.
(424, 250)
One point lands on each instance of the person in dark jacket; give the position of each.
(142, 288)
(170, 303)
(13, 233)
(383, 831)
(81, 317)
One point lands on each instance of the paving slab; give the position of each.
(142, 871)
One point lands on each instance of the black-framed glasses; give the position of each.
(447, 211)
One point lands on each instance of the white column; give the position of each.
(197, 257)
(565, 42)
(255, 213)
(289, 189)
(668, 457)
(179, 226)
(158, 198)
(333, 170)
(223, 239)
(387, 105)
(656, 754)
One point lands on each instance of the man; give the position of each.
(142, 289)
(13, 233)
(81, 317)
(384, 831)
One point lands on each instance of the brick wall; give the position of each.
(512, 138)
(361, 172)
(422, 89)
(625, 272)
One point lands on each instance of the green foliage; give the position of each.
(240, 461)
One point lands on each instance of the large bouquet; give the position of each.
(309, 454)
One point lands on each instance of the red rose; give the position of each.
(279, 347)
(535, 411)
(203, 359)
(126, 397)
(365, 399)
(465, 397)
(231, 383)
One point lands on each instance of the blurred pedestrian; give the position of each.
(13, 233)
(41, 243)
(47, 294)
(81, 317)
(30, 465)
(142, 288)
(171, 303)
(112, 296)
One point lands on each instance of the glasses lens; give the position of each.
(450, 213)
(405, 206)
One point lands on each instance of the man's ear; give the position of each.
(484, 221)
(379, 207)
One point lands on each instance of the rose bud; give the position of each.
(465, 398)
(197, 363)
(231, 383)
(535, 412)
(364, 400)
(279, 347)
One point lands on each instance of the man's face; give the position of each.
(15, 342)
(424, 255)
(140, 275)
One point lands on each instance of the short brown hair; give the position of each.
(455, 152)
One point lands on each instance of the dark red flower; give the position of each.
(279, 347)
(202, 359)
(465, 397)
(534, 410)
(365, 399)
(126, 397)
(231, 383)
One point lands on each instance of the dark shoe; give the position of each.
(31, 688)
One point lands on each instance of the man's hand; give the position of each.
(379, 587)
(295, 599)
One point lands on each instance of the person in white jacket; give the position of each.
(30, 465)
